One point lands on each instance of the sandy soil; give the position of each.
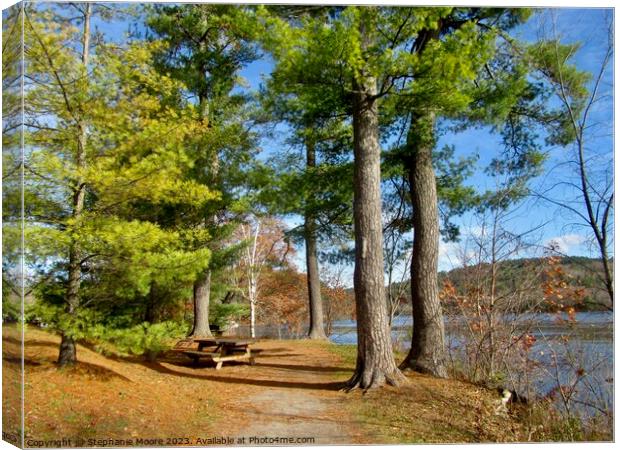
(308, 405)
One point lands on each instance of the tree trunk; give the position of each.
(202, 292)
(317, 329)
(202, 286)
(252, 320)
(252, 308)
(67, 353)
(375, 361)
(151, 314)
(427, 352)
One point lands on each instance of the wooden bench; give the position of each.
(218, 350)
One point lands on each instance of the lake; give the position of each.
(576, 355)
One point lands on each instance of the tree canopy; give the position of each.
(157, 200)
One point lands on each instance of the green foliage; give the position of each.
(11, 307)
(205, 45)
(552, 59)
(304, 93)
(52, 314)
(108, 334)
(221, 314)
(124, 134)
(145, 339)
(454, 197)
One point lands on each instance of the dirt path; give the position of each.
(307, 406)
(290, 396)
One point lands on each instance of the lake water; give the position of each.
(577, 355)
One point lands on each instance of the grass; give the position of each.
(545, 424)
(346, 353)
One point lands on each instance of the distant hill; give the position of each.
(523, 281)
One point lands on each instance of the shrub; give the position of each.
(145, 339)
(11, 310)
(111, 335)
(223, 313)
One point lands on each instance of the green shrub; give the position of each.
(11, 309)
(222, 313)
(108, 335)
(79, 325)
(145, 339)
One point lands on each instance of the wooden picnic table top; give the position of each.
(227, 340)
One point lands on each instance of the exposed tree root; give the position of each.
(371, 379)
(426, 367)
(317, 335)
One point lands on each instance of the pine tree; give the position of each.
(102, 138)
(205, 47)
(315, 188)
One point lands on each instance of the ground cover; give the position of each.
(291, 396)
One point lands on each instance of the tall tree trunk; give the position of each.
(151, 315)
(202, 286)
(427, 352)
(375, 361)
(202, 293)
(67, 352)
(317, 329)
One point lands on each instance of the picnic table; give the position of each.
(219, 350)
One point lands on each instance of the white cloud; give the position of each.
(565, 243)
(450, 255)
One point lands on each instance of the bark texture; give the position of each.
(150, 315)
(202, 286)
(375, 362)
(427, 354)
(317, 328)
(202, 294)
(67, 353)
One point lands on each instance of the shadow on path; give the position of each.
(330, 386)
(303, 367)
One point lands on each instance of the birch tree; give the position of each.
(265, 247)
